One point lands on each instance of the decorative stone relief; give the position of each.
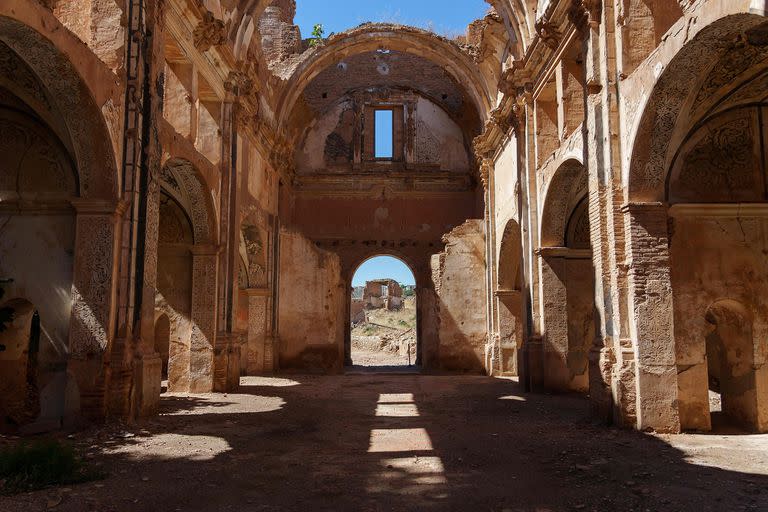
(254, 247)
(257, 329)
(203, 319)
(15, 70)
(723, 166)
(33, 160)
(92, 287)
(192, 196)
(175, 228)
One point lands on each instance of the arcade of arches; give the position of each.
(579, 186)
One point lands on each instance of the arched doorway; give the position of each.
(730, 352)
(383, 320)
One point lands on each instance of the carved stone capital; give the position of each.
(548, 32)
(585, 13)
(238, 83)
(209, 32)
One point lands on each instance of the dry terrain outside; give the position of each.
(396, 443)
(385, 337)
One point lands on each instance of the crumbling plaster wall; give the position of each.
(458, 275)
(312, 306)
(439, 140)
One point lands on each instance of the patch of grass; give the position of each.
(40, 464)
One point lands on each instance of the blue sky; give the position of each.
(383, 131)
(383, 267)
(445, 17)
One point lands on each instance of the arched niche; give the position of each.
(565, 191)
(510, 297)
(567, 280)
(32, 67)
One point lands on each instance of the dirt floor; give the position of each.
(376, 442)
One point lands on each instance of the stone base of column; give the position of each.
(90, 376)
(147, 375)
(601, 364)
(226, 362)
(557, 375)
(533, 357)
(625, 389)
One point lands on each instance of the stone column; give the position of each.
(651, 317)
(555, 317)
(204, 282)
(492, 348)
(226, 361)
(94, 299)
(257, 330)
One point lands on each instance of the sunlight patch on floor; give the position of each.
(274, 382)
(409, 475)
(187, 447)
(394, 440)
(397, 410)
(512, 397)
(395, 398)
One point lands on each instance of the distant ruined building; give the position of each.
(579, 186)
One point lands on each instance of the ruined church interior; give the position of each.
(579, 189)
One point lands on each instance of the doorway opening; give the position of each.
(383, 315)
(733, 400)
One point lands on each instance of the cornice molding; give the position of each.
(719, 210)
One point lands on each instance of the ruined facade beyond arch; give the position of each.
(579, 187)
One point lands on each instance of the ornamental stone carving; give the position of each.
(92, 283)
(209, 32)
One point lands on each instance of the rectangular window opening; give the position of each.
(383, 132)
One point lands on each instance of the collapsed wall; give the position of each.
(311, 310)
(458, 275)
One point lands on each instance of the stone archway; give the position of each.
(187, 274)
(383, 293)
(567, 280)
(696, 196)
